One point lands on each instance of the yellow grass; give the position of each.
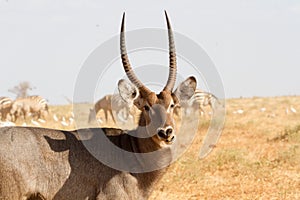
(257, 157)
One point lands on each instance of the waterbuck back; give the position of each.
(57, 165)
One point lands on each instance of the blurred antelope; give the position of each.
(102, 104)
(108, 104)
(5, 107)
(35, 106)
(198, 102)
(38, 163)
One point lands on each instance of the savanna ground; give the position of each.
(257, 156)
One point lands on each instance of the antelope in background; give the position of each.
(35, 106)
(198, 102)
(110, 103)
(38, 163)
(5, 107)
(102, 104)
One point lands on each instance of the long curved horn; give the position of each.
(172, 58)
(125, 61)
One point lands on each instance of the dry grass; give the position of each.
(257, 157)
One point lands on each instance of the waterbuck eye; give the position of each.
(172, 105)
(133, 94)
(147, 108)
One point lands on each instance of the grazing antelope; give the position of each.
(102, 104)
(109, 103)
(5, 107)
(39, 163)
(35, 106)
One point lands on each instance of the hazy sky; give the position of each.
(255, 45)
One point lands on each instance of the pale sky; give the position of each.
(255, 45)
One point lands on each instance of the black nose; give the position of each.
(161, 133)
(169, 131)
(165, 133)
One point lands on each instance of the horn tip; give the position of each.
(167, 19)
(123, 16)
(166, 14)
(123, 19)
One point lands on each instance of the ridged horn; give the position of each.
(125, 61)
(172, 58)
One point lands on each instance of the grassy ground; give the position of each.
(257, 157)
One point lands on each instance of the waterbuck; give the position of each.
(38, 163)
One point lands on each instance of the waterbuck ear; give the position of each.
(186, 89)
(128, 91)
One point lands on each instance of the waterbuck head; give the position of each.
(156, 119)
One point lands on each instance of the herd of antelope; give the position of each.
(31, 106)
(39, 163)
(36, 109)
(124, 111)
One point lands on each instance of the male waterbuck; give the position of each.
(38, 163)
